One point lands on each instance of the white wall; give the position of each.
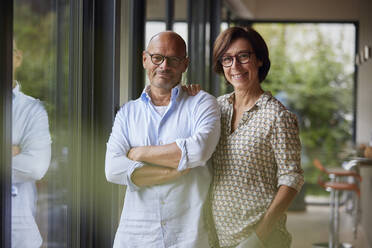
(364, 91)
(304, 9)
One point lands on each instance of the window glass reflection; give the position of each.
(31, 158)
(40, 167)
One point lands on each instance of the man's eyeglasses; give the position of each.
(243, 58)
(158, 59)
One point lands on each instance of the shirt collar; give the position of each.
(175, 94)
(263, 99)
(231, 97)
(145, 94)
(16, 90)
(261, 102)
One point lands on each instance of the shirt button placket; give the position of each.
(162, 221)
(162, 203)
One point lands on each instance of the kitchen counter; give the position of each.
(364, 165)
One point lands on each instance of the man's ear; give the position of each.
(144, 58)
(186, 62)
(18, 57)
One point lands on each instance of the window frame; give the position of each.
(6, 68)
(94, 42)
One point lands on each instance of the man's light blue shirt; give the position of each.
(30, 132)
(171, 214)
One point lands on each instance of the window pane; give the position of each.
(312, 73)
(181, 29)
(40, 124)
(152, 28)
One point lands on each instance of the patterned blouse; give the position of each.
(250, 164)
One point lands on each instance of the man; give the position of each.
(159, 147)
(31, 152)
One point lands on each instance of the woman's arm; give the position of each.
(278, 207)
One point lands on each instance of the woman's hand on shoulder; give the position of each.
(15, 150)
(192, 89)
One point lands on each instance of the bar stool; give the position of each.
(335, 186)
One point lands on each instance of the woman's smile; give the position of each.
(239, 76)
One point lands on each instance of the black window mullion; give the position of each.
(105, 101)
(196, 42)
(136, 46)
(215, 27)
(169, 17)
(6, 68)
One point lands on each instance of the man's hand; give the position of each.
(175, 174)
(191, 89)
(135, 153)
(16, 150)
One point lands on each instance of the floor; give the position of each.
(311, 226)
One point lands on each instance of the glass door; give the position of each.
(42, 172)
(56, 116)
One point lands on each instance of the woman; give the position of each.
(256, 164)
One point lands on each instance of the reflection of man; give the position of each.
(158, 147)
(31, 156)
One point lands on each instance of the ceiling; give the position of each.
(314, 10)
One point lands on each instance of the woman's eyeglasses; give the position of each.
(242, 58)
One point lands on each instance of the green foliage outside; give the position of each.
(36, 35)
(312, 74)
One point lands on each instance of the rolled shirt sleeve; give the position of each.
(198, 148)
(118, 167)
(287, 148)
